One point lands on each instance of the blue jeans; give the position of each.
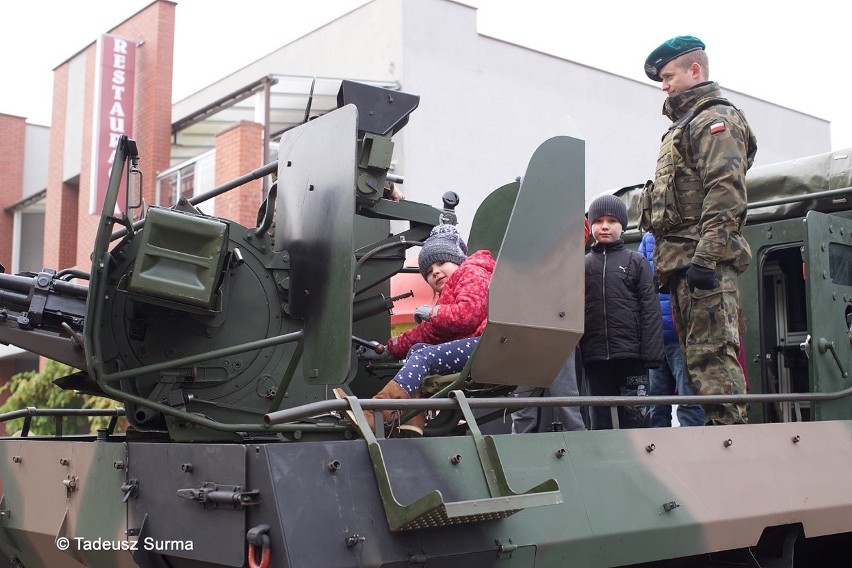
(663, 381)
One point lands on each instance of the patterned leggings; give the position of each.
(442, 359)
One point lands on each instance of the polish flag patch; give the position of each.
(717, 127)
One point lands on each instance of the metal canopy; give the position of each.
(288, 97)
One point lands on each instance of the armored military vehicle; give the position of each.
(223, 342)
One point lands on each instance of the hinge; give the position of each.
(505, 548)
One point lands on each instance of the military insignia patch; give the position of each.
(717, 127)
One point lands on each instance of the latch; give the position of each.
(824, 345)
(130, 489)
(70, 484)
(505, 548)
(805, 346)
(213, 495)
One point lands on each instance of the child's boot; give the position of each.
(413, 428)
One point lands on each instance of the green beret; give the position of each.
(670, 49)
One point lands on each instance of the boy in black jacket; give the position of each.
(623, 331)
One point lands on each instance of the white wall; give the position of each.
(36, 146)
(363, 44)
(487, 104)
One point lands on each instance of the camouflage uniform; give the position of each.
(696, 209)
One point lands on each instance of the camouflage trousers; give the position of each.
(707, 323)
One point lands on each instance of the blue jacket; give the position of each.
(646, 247)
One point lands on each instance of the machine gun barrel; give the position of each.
(367, 307)
(26, 284)
(71, 289)
(14, 300)
(16, 283)
(43, 314)
(43, 301)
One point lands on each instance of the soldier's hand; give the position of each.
(701, 277)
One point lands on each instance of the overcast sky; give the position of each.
(792, 54)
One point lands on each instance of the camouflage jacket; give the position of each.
(700, 204)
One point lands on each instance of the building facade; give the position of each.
(485, 106)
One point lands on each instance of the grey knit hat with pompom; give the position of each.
(443, 245)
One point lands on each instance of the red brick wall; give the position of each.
(67, 206)
(239, 150)
(69, 227)
(60, 215)
(86, 229)
(12, 135)
(155, 25)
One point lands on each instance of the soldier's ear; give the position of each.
(696, 72)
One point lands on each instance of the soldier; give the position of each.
(696, 209)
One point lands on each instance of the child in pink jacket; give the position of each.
(447, 332)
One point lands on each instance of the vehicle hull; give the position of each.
(631, 496)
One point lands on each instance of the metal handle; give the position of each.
(825, 345)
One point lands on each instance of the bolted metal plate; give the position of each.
(315, 213)
(217, 535)
(530, 336)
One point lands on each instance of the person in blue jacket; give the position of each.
(671, 376)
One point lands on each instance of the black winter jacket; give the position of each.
(622, 309)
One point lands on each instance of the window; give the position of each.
(840, 264)
(188, 180)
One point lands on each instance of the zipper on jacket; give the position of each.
(603, 295)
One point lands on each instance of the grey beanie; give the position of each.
(444, 244)
(608, 205)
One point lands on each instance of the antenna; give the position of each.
(310, 100)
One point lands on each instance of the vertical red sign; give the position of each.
(113, 116)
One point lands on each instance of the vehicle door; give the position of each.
(827, 256)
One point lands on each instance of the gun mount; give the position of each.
(196, 316)
(202, 326)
